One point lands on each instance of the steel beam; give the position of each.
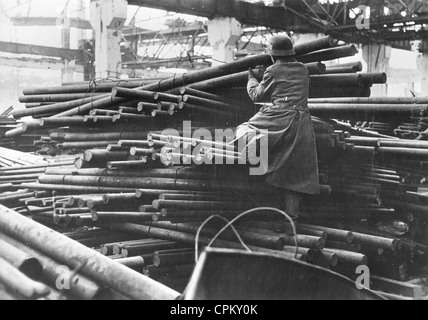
(21, 48)
(50, 21)
(245, 12)
(44, 63)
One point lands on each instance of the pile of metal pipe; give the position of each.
(94, 271)
(80, 99)
(125, 174)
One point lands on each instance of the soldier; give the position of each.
(293, 163)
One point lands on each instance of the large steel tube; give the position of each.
(365, 110)
(205, 205)
(403, 144)
(325, 92)
(106, 136)
(130, 250)
(56, 97)
(374, 78)
(84, 145)
(333, 80)
(141, 95)
(148, 183)
(329, 54)
(202, 102)
(54, 108)
(122, 217)
(316, 68)
(28, 265)
(66, 121)
(81, 287)
(170, 259)
(315, 45)
(377, 242)
(357, 66)
(349, 258)
(103, 156)
(93, 264)
(202, 94)
(89, 88)
(19, 284)
(333, 234)
(343, 70)
(5, 187)
(75, 188)
(272, 241)
(371, 100)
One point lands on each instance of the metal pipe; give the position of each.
(316, 68)
(333, 80)
(161, 259)
(343, 246)
(134, 263)
(202, 94)
(162, 113)
(365, 110)
(329, 54)
(54, 108)
(28, 265)
(205, 205)
(130, 116)
(377, 242)
(103, 156)
(271, 241)
(148, 183)
(75, 188)
(193, 100)
(20, 284)
(346, 257)
(142, 249)
(55, 97)
(333, 234)
(372, 100)
(326, 92)
(371, 78)
(341, 70)
(121, 217)
(358, 66)
(106, 136)
(84, 145)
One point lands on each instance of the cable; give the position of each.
(227, 226)
(261, 209)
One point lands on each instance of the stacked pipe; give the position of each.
(126, 177)
(53, 257)
(170, 202)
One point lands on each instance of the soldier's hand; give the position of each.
(261, 69)
(251, 74)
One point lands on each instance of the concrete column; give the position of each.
(223, 34)
(108, 18)
(377, 57)
(4, 27)
(67, 72)
(423, 68)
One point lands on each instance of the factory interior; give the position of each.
(123, 174)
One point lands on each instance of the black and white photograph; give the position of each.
(213, 154)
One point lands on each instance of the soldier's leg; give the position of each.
(292, 203)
